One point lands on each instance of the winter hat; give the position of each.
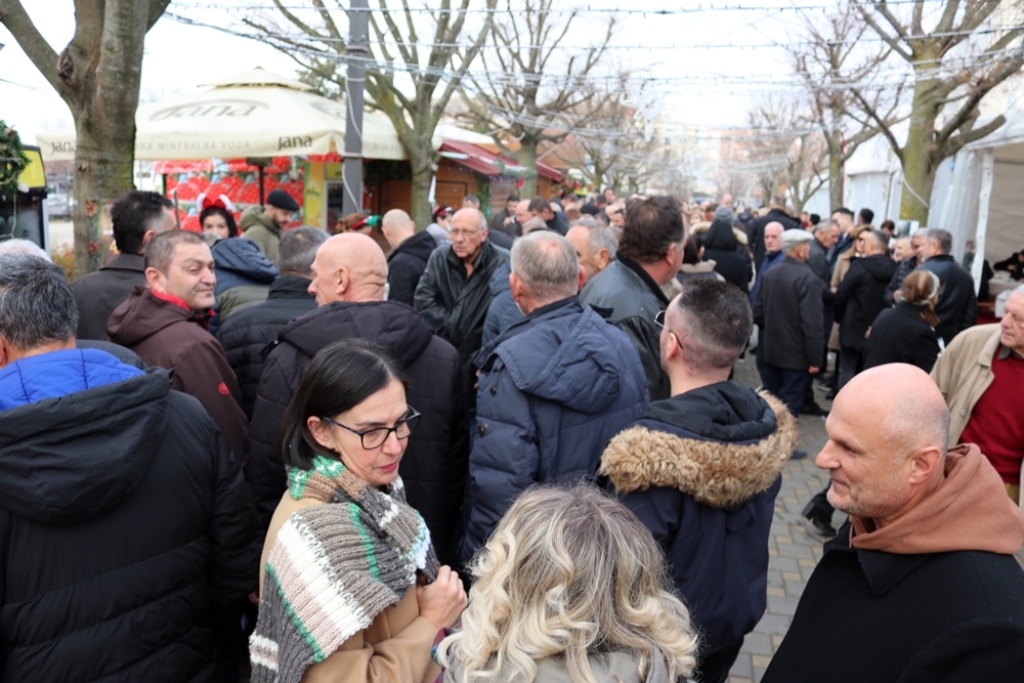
(282, 200)
(724, 213)
(795, 237)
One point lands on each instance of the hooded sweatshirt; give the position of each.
(165, 332)
(124, 522)
(859, 299)
(968, 511)
(257, 226)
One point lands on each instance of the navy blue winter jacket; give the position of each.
(701, 470)
(503, 310)
(554, 388)
(240, 262)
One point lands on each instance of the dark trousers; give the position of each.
(759, 351)
(851, 361)
(819, 505)
(788, 385)
(714, 667)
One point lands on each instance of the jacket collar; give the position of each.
(134, 262)
(883, 571)
(481, 258)
(988, 351)
(648, 280)
(201, 318)
(289, 287)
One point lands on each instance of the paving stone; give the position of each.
(757, 644)
(742, 667)
(786, 606)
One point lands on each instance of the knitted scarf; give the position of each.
(333, 568)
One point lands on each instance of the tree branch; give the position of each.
(44, 57)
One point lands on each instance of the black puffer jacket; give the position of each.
(436, 461)
(858, 300)
(406, 265)
(455, 306)
(250, 330)
(629, 298)
(957, 306)
(125, 526)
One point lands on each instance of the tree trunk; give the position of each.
(835, 180)
(919, 156)
(422, 175)
(527, 158)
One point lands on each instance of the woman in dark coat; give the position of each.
(720, 247)
(906, 333)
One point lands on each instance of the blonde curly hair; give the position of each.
(571, 572)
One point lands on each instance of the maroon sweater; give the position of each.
(997, 421)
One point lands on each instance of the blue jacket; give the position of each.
(769, 261)
(701, 470)
(554, 388)
(503, 310)
(240, 262)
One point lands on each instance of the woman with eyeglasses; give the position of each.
(350, 587)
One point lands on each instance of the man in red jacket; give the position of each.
(166, 324)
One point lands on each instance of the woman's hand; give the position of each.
(442, 602)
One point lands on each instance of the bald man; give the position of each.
(349, 274)
(921, 583)
(409, 254)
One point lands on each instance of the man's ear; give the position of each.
(923, 463)
(603, 257)
(517, 286)
(156, 280)
(342, 281)
(581, 277)
(147, 237)
(5, 352)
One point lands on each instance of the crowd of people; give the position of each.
(507, 449)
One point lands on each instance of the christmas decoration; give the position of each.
(12, 160)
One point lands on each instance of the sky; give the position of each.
(705, 71)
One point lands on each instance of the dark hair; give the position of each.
(538, 204)
(814, 218)
(867, 215)
(843, 210)
(298, 249)
(720, 236)
(341, 376)
(224, 213)
(133, 215)
(691, 249)
(887, 224)
(36, 303)
(717, 318)
(652, 226)
(160, 250)
(512, 198)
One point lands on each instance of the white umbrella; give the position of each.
(254, 114)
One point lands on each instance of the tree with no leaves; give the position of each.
(951, 78)
(98, 76)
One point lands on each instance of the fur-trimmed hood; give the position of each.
(724, 445)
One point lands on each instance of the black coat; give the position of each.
(436, 460)
(249, 331)
(701, 470)
(868, 615)
(630, 299)
(720, 246)
(125, 525)
(859, 298)
(406, 265)
(903, 268)
(899, 335)
(455, 306)
(789, 309)
(818, 261)
(755, 232)
(957, 306)
(98, 294)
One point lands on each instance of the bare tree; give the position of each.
(435, 69)
(951, 77)
(528, 87)
(774, 127)
(829, 63)
(97, 74)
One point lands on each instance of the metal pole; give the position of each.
(352, 171)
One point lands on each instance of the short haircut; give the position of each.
(941, 237)
(815, 219)
(17, 246)
(512, 198)
(779, 200)
(160, 250)
(887, 224)
(547, 264)
(601, 236)
(538, 204)
(298, 249)
(880, 237)
(823, 227)
(717, 320)
(535, 223)
(341, 375)
(843, 210)
(917, 424)
(867, 215)
(395, 216)
(652, 226)
(36, 303)
(471, 200)
(133, 215)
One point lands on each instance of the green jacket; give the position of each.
(258, 227)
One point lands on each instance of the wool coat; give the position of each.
(701, 470)
(957, 306)
(125, 525)
(554, 388)
(434, 465)
(900, 335)
(167, 334)
(98, 294)
(790, 310)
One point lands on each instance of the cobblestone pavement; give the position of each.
(793, 551)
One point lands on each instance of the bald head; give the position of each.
(773, 237)
(397, 227)
(888, 436)
(349, 267)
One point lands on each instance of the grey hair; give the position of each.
(36, 303)
(601, 236)
(535, 223)
(298, 249)
(547, 264)
(160, 250)
(824, 225)
(29, 247)
(920, 232)
(941, 237)
(880, 237)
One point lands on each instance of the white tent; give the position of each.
(253, 114)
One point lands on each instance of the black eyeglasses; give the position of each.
(375, 438)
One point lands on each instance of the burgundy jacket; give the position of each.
(164, 332)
